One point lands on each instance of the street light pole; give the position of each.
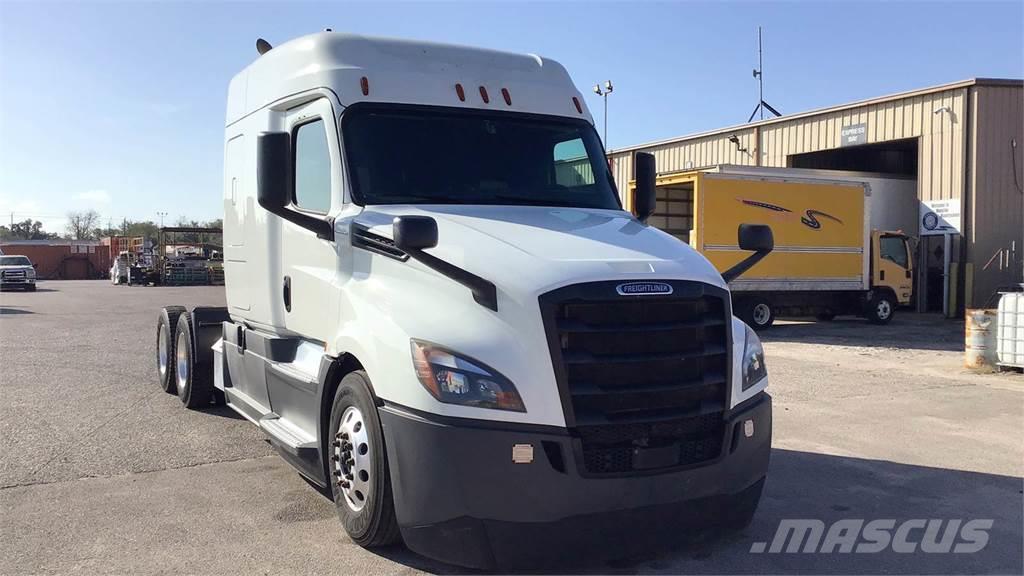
(608, 89)
(161, 215)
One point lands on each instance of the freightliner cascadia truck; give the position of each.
(439, 312)
(835, 250)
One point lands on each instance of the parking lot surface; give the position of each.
(102, 472)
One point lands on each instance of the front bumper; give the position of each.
(460, 498)
(17, 282)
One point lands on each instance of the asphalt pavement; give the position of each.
(103, 472)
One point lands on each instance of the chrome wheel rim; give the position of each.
(352, 458)
(181, 366)
(884, 309)
(761, 314)
(161, 352)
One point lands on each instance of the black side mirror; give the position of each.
(755, 237)
(644, 198)
(274, 183)
(274, 170)
(414, 232)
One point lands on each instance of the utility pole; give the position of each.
(608, 89)
(759, 74)
(161, 215)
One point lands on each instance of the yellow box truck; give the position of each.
(828, 259)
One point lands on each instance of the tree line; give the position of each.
(87, 225)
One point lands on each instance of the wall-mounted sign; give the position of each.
(940, 217)
(853, 135)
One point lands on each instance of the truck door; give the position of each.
(892, 265)
(307, 292)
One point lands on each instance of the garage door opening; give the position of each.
(900, 158)
(894, 157)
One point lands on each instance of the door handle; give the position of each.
(287, 293)
(881, 274)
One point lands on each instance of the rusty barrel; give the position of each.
(980, 339)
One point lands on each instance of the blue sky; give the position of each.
(120, 106)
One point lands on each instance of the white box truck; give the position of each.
(438, 310)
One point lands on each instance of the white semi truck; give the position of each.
(438, 310)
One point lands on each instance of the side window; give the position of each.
(893, 248)
(312, 168)
(572, 166)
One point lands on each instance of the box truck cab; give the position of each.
(438, 310)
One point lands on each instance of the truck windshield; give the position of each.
(14, 261)
(414, 155)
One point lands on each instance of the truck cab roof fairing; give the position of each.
(403, 71)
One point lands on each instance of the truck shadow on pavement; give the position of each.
(804, 485)
(907, 331)
(14, 310)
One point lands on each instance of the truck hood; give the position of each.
(534, 248)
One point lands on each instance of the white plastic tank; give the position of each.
(1010, 330)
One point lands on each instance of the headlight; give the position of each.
(754, 368)
(30, 273)
(454, 379)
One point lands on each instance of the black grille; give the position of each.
(643, 378)
(14, 273)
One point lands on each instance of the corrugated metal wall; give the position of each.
(941, 141)
(996, 238)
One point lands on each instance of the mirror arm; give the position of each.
(744, 265)
(484, 291)
(324, 228)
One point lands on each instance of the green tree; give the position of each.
(25, 230)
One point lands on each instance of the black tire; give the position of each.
(32, 288)
(167, 324)
(881, 308)
(195, 387)
(375, 523)
(825, 316)
(758, 313)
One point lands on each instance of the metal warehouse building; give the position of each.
(962, 143)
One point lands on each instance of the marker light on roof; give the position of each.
(365, 84)
(483, 94)
(460, 92)
(577, 103)
(508, 97)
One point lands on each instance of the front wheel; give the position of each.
(881, 308)
(358, 463)
(758, 313)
